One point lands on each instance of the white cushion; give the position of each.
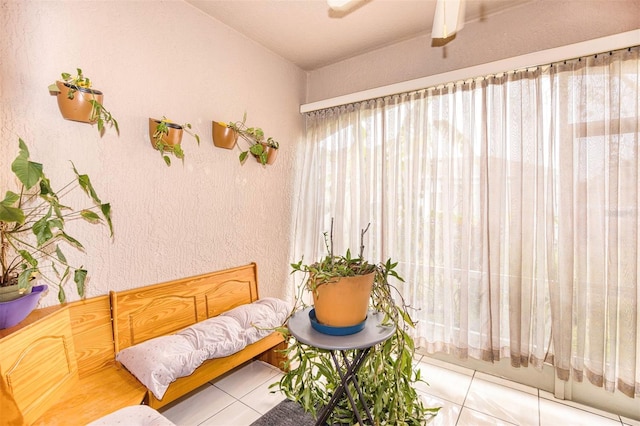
(158, 362)
(136, 415)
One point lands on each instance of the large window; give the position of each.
(511, 202)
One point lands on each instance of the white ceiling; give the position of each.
(311, 35)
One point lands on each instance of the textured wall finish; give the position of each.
(153, 59)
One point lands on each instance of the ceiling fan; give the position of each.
(447, 20)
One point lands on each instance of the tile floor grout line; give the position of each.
(539, 408)
(464, 401)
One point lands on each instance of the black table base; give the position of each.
(349, 374)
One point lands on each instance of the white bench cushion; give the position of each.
(158, 362)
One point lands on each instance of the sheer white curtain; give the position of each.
(511, 203)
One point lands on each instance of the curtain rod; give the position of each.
(585, 48)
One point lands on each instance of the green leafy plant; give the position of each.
(255, 137)
(162, 131)
(80, 82)
(32, 227)
(387, 377)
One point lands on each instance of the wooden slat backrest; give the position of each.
(92, 334)
(146, 312)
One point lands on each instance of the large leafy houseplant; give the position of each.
(32, 227)
(387, 376)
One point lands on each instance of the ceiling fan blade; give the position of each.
(448, 19)
(342, 5)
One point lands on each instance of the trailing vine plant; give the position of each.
(99, 113)
(162, 131)
(386, 378)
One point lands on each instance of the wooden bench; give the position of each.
(59, 364)
(144, 313)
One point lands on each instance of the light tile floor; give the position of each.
(467, 398)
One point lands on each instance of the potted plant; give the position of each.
(166, 136)
(77, 101)
(387, 376)
(32, 235)
(263, 149)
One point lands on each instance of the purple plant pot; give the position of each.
(14, 311)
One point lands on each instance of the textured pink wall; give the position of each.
(153, 59)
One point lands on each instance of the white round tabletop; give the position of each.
(372, 333)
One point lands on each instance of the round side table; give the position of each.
(361, 343)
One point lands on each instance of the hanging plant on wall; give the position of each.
(166, 137)
(263, 149)
(77, 101)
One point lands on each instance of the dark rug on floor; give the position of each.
(287, 413)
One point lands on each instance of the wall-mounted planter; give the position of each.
(79, 108)
(271, 152)
(173, 138)
(223, 136)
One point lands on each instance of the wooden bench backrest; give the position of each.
(144, 313)
(92, 334)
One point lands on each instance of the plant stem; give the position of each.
(362, 232)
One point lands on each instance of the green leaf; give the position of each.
(25, 277)
(28, 172)
(62, 297)
(115, 124)
(8, 213)
(60, 255)
(42, 230)
(80, 276)
(71, 240)
(53, 88)
(85, 184)
(167, 160)
(90, 216)
(28, 258)
(106, 212)
(45, 188)
(243, 156)
(257, 149)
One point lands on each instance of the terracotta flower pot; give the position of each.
(223, 136)
(343, 303)
(79, 108)
(272, 153)
(173, 138)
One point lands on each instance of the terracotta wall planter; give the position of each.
(344, 303)
(173, 138)
(223, 136)
(79, 108)
(272, 153)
